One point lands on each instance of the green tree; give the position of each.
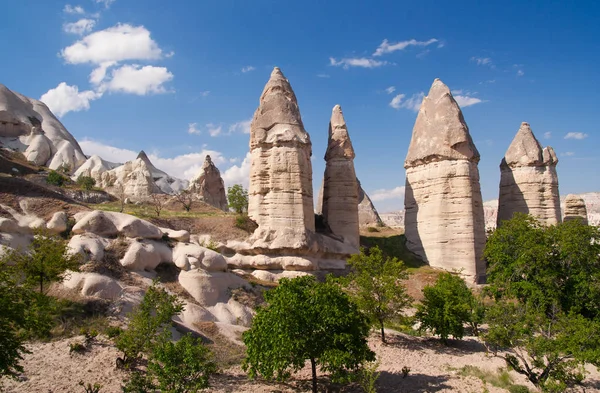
(237, 197)
(447, 306)
(375, 284)
(181, 367)
(14, 302)
(46, 261)
(55, 178)
(86, 182)
(148, 324)
(306, 320)
(556, 266)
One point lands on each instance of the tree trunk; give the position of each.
(313, 364)
(382, 332)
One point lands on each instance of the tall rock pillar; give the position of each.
(208, 185)
(575, 209)
(280, 195)
(340, 186)
(528, 180)
(444, 221)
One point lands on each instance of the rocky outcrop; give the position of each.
(444, 220)
(208, 186)
(132, 179)
(340, 187)
(28, 126)
(94, 167)
(367, 214)
(165, 183)
(528, 180)
(280, 195)
(575, 209)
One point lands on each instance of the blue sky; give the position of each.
(129, 75)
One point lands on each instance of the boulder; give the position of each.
(188, 256)
(208, 185)
(444, 220)
(575, 209)
(180, 236)
(94, 284)
(528, 180)
(58, 223)
(94, 167)
(39, 150)
(90, 246)
(146, 255)
(209, 288)
(111, 224)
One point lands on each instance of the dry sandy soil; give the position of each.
(433, 368)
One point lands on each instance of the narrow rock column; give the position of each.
(280, 193)
(208, 185)
(528, 180)
(340, 187)
(444, 212)
(575, 209)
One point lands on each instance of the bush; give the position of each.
(55, 179)
(307, 320)
(86, 182)
(113, 331)
(446, 307)
(518, 389)
(368, 377)
(245, 223)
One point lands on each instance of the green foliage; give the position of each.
(447, 306)
(518, 389)
(237, 197)
(55, 178)
(549, 349)
(368, 376)
(113, 332)
(14, 301)
(499, 379)
(148, 324)
(393, 246)
(245, 223)
(556, 266)
(89, 388)
(183, 366)
(86, 182)
(372, 229)
(375, 284)
(46, 261)
(138, 383)
(306, 320)
(77, 347)
(405, 370)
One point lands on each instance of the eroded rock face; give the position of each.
(340, 187)
(528, 180)
(367, 213)
(280, 194)
(575, 209)
(133, 179)
(27, 125)
(208, 186)
(444, 219)
(94, 167)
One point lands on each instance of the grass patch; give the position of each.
(226, 353)
(500, 378)
(70, 317)
(146, 211)
(393, 246)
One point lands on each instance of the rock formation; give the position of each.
(280, 195)
(94, 167)
(444, 221)
(132, 180)
(367, 214)
(166, 183)
(340, 187)
(208, 186)
(27, 125)
(528, 180)
(575, 209)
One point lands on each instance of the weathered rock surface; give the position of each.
(94, 167)
(367, 213)
(27, 125)
(393, 219)
(208, 186)
(58, 223)
(188, 256)
(132, 179)
(94, 284)
(280, 194)
(209, 288)
(146, 255)
(165, 182)
(528, 180)
(111, 224)
(444, 221)
(575, 209)
(340, 187)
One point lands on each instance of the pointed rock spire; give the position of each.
(440, 132)
(339, 144)
(524, 150)
(208, 185)
(142, 155)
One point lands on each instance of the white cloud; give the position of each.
(170, 54)
(323, 75)
(486, 61)
(64, 99)
(247, 69)
(387, 47)
(413, 103)
(356, 62)
(576, 135)
(238, 174)
(107, 3)
(547, 135)
(184, 166)
(193, 129)
(390, 89)
(241, 126)
(117, 43)
(213, 129)
(520, 73)
(383, 194)
(423, 53)
(80, 27)
(139, 80)
(99, 73)
(69, 9)
(488, 82)
(464, 101)
(568, 154)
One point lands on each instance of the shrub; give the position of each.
(113, 331)
(86, 182)
(55, 178)
(518, 389)
(237, 197)
(306, 320)
(372, 229)
(89, 388)
(245, 223)
(77, 347)
(368, 377)
(446, 307)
